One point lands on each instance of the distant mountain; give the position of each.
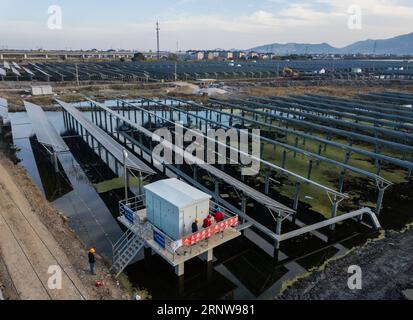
(401, 45)
(295, 48)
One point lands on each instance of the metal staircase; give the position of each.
(125, 250)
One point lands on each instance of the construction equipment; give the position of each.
(289, 72)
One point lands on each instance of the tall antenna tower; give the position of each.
(157, 40)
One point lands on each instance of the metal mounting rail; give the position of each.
(276, 236)
(265, 200)
(266, 163)
(323, 128)
(332, 221)
(288, 107)
(334, 198)
(112, 146)
(361, 108)
(325, 108)
(373, 155)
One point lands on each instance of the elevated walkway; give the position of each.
(141, 233)
(104, 140)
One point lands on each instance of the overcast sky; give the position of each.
(197, 24)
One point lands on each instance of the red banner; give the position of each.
(208, 232)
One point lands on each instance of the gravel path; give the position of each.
(33, 237)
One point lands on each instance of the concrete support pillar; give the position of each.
(276, 242)
(195, 173)
(296, 195)
(267, 182)
(279, 224)
(180, 270)
(284, 159)
(209, 255)
(380, 200)
(334, 211)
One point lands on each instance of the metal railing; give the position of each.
(121, 244)
(146, 230)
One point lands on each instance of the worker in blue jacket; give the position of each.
(91, 256)
(195, 228)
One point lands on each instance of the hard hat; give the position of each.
(197, 220)
(92, 250)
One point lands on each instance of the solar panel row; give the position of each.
(169, 70)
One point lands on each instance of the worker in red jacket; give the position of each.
(207, 222)
(219, 216)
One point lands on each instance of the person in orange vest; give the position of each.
(207, 222)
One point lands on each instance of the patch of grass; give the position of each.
(114, 184)
(143, 293)
(327, 174)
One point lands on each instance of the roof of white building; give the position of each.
(176, 192)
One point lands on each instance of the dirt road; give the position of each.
(29, 247)
(387, 272)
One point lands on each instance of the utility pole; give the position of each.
(157, 40)
(77, 75)
(176, 63)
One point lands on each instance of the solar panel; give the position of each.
(4, 108)
(15, 71)
(28, 71)
(45, 132)
(262, 198)
(105, 140)
(16, 65)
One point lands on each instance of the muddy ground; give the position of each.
(387, 271)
